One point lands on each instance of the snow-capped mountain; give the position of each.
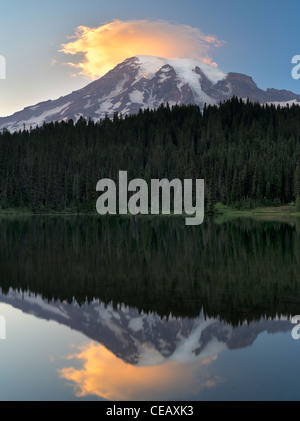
(138, 338)
(146, 82)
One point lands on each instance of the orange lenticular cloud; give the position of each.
(104, 47)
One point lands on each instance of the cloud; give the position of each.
(102, 48)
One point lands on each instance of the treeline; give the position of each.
(248, 155)
(236, 271)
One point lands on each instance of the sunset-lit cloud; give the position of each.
(107, 376)
(102, 48)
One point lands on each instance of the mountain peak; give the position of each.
(142, 82)
(184, 67)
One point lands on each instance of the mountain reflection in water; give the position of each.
(158, 302)
(134, 356)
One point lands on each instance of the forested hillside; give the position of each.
(248, 155)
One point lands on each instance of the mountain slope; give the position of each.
(146, 82)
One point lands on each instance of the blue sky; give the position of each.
(261, 37)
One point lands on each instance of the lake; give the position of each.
(147, 308)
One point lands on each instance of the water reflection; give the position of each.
(139, 356)
(105, 375)
(159, 302)
(239, 270)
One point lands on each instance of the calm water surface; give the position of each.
(148, 309)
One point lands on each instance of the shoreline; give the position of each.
(222, 212)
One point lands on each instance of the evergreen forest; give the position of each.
(248, 155)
